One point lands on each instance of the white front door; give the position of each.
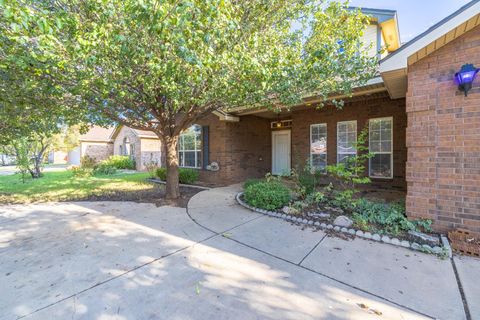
(281, 152)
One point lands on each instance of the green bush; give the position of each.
(390, 218)
(250, 182)
(267, 195)
(186, 175)
(161, 173)
(104, 169)
(81, 172)
(87, 162)
(120, 162)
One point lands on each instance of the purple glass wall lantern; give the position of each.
(464, 78)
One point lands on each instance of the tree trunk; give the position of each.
(171, 161)
(36, 170)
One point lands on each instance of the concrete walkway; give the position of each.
(420, 282)
(217, 260)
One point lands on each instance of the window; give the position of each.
(380, 144)
(346, 140)
(318, 146)
(128, 148)
(190, 147)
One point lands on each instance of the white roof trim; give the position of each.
(398, 60)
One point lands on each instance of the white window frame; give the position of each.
(326, 143)
(383, 152)
(356, 137)
(196, 150)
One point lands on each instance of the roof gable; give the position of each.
(394, 67)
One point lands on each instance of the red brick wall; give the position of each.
(443, 138)
(242, 149)
(361, 111)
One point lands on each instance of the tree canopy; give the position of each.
(162, 65)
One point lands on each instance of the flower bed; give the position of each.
(442, 250)
(339, 210)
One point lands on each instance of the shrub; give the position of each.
(390, 217)
(186, 175)
(120, 162)
(87, 162)
(351, 172)
(81, 171)
(250, 182)
(151, 167)
(104, 169)
(267, 195)
(161, 173)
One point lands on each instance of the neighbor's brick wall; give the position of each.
(443, 138)
(96, 150)
(361, 111)
(150, 151)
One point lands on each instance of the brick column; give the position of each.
(443, 138)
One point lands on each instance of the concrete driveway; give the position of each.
(112, 260)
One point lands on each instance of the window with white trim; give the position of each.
(318, 146)
(346, 140)
(380, 144)
(190, 147)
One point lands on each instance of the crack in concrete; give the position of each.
(306, 268)
(313, 249)
(460, 288)
(74, 295)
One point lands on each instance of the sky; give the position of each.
(414, 16)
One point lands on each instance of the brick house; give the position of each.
(424, 131)
(142, 146)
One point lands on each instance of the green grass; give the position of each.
(63, 186)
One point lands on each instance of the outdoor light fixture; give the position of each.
(464, 78)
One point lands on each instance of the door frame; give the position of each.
(289, 160)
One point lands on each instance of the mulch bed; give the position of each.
(155, 195)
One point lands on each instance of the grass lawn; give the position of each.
(63, 186)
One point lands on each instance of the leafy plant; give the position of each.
(151, 167)
(185, 175)
(120, 162)
(250, 182)
(343, 199)
(390, 218)
(269, 195)
(104, 168)
(81, 171)
(87, 162)
(306, 179)
(351, 172)
(315, 198)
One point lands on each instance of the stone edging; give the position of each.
(445, 250)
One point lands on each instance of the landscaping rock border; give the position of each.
(444, 251)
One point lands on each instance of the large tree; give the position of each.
(34, 105)
(162, 65)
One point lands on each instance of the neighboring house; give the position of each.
(142, 146)
(424, 132)
(97, 143)
(57, 157)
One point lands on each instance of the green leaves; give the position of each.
(166, 63)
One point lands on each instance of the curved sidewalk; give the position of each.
(418, 282)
